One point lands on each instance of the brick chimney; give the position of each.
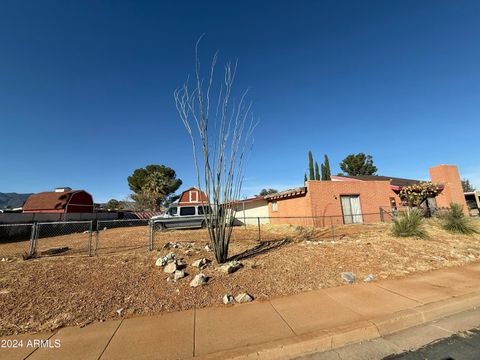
(453, 191)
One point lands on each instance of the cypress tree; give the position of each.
(323, 171)
(317, 172)
(305, 177)
(310, 166)
(328, 175)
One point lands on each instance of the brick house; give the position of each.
(347, 200)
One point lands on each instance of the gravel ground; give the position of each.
(50, 292)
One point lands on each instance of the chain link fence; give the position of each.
(134, 234)
(273, 228)
(63, 238)
(15, 240)
(110, 236)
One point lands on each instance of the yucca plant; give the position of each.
(455, 221)
(409, 224)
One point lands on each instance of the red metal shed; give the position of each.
(65, 201)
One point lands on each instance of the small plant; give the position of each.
(455, 221)
(409, 224)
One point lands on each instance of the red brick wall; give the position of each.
(325, 199)
(453, 191)
(289, 209)
(322, 202)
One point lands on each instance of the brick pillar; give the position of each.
(453, 191)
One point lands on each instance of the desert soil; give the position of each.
(74, 289)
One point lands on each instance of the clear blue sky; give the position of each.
(86, 87)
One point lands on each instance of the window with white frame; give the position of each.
(274, 206)
(193, 196)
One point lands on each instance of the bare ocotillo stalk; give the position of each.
(221, 134)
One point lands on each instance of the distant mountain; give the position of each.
(12, 200)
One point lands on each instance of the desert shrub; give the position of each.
(455, 221)
(409, 223)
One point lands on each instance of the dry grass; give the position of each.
(49, 292)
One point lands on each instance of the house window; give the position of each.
(351, 210)
(193, 196)
(274, 206)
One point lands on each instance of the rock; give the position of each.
(198, 280)
(208, 247)
(179, 274)
(348, 277)
(162, 261)
(439, 258)
(170, 256)
(120, 311)
(189, 252)
(243, 298)
(55, 250)
(231, 267)
(200, 263)
(228, 299)
(170, 268)
(369, 278)
(171, 245)
(471, 256)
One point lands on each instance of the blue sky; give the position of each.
(86, 87)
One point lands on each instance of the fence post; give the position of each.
(97, 235)
(333, 228)
(90, 230)
(33, 242)
(150, 236)
(259, 230)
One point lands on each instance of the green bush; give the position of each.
(409, 224)
(455, 221)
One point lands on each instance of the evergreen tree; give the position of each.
(323, 171)
(310, 166)
(328, 175)
(358, 164)
(317, 172)
(305, 178)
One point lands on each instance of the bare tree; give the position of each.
(221, 134)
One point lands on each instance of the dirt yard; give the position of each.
(49, 292)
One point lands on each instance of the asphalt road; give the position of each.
(465, 346)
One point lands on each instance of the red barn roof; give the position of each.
(67, 201)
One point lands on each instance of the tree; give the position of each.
(305, 177)
(112, 204)
(415, 195)
(358, 164)
(326, 164)
(467, 186)
(317, 172)
(269, 191)
(152, 185)
(310, 166)
(219, 148)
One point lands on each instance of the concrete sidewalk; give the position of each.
(280, 328)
